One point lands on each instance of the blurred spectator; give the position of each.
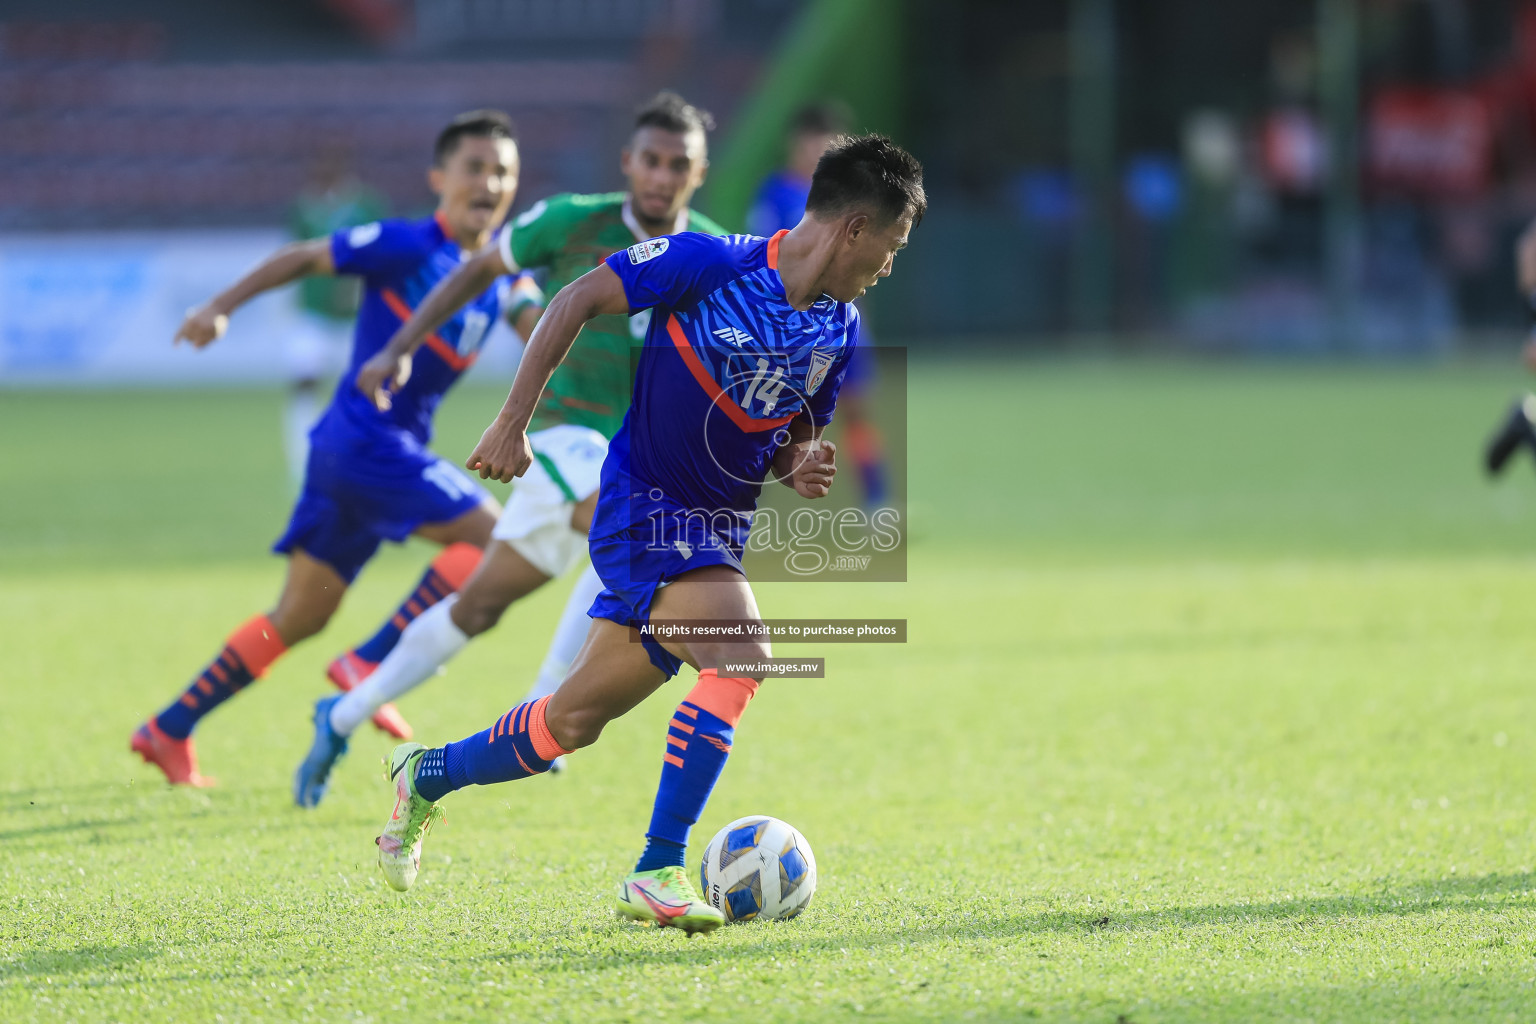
(1154, 197)
(334, 198)
(780, 201)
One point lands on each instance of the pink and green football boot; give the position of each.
(666, 898)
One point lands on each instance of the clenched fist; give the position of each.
(813, 467)
(503, 452)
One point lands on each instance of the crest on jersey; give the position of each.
(647, 250)
(363, 234)
(821, 362)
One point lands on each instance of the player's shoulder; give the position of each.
(700, 250)
(568, 208)
(425, 232)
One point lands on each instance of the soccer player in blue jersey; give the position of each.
(748, 342)
(780, 203)
(370, 476)
(542, 532)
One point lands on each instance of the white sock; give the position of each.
(570, 634)
(298, 419)
(425, 646)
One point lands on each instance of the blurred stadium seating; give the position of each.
(144, 123)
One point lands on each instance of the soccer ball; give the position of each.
(758, 867)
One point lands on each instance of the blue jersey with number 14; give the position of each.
(727, 364)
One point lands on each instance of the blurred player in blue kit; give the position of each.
(779, 204)
(333, 200)
(369, 476)
(748, 344)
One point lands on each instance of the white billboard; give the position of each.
(101, 308)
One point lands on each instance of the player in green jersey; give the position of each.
(543, 529)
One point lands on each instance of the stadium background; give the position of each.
(1171, 174)
(1217, 703)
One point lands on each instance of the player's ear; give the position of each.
(854, 227)
(435, 180)
(700, 172)
(626, 159)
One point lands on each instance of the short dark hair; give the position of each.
(826, 118)
(477, 124)
(670, 112)
(867, 171)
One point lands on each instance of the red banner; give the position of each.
(1429, 142)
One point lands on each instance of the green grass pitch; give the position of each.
(1219, 704)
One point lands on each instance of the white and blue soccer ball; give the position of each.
(758, 868)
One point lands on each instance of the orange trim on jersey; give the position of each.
(736, 413)
(442, 223)
(686, 710)
(673, 760)
(684, 726)
(676, 742)
(433, 341)
(773, 248)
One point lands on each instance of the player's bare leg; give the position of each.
(615, 672)
(428, 643)
(462, 539)
(608, 680)
(698, 742)
(311, 594)
(611, 675)
(503, 576)
(473, 527)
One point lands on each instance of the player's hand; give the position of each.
(202, 327)
(503, 453)
(383, 375)
(814, 467)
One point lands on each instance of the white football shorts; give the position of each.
(567, 465)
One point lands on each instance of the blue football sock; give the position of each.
(245, 657)
(447, 573)
(697, 745)
(661, 853)
(510, 749)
